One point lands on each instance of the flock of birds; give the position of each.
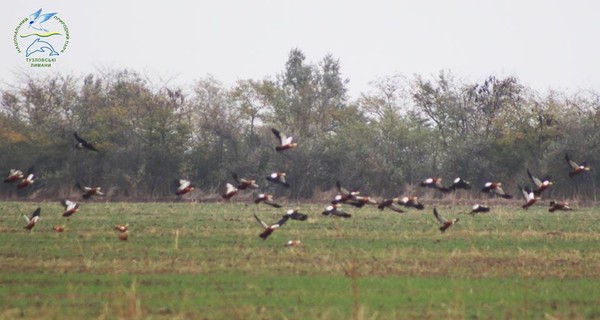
(343, 196)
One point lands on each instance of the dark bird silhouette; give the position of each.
(294, 214)
(82, 143)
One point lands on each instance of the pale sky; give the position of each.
(546, 44)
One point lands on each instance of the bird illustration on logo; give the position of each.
(40, 46)
(36, 19)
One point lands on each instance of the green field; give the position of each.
(206, 261)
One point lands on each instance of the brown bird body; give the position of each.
(560, 205)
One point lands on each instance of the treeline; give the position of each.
(385, 142)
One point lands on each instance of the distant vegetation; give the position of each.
(390, 138)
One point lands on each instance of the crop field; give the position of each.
(206, 261)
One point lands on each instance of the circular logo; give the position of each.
(41, 38)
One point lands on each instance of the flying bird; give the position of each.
(266, 199)
(443, 221)
(70, 207)
(270, 228)
(390, 204)
(560, 205)
(82, 143)
(435, 183)
(243, 183)
(285, 142)
(333, 210)
(294, 214)
(496, 188)
(478, 208)
(540, 185)
(28, 179)
(529, 196)
(344, 195)
(278, 178)
(411, 202)
(88, 192)
(183, 186)
(459, 183)
(230, 191)
(31, 221)
(14, 175)
(37, 18)
(576, 168)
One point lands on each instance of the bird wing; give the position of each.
(183, 183)
(36, 213)
(281, 221)
(535, 180)
(341, 189)
(439, 218)
(35, 15)
(78, 138)
(278, 135)
(572, 163)
(46, 16)
(262, 223)
(298, 216)
(26, 219)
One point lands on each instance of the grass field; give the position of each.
(206, 261)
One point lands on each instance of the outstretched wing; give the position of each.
(571, 163)
(35, 15)
(262, 223)
(36, 213)
(46, 16)
(439, 218)
(278, 135)
(535, 180)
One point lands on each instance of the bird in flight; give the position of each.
(285, 142)
(575, 167)
(83, 144)
(70, 207)
(445, 223)
(37, 18)
(31, 221)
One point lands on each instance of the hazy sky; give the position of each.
(546, 44)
